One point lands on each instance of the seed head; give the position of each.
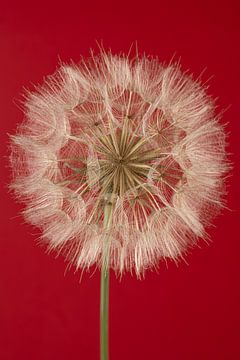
(137, 135)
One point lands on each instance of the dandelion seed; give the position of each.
(137, 135)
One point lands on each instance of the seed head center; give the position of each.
(121, 160)
(125, 161)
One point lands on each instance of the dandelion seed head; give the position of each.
(136, 134)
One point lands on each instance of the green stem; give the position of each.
(104, 296)
(104, 313)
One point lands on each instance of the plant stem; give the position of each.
(104, 296)
(104, 313)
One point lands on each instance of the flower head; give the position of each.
(137, 135)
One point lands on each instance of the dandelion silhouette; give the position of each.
(120, 163)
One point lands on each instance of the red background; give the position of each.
(185, 312)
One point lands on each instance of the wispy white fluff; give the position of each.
(140, 133)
